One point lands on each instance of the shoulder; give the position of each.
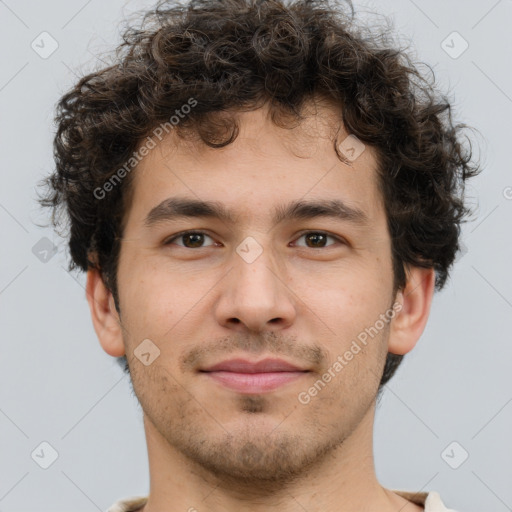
(129, 504)
(431, 501)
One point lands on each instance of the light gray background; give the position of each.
(58, 386)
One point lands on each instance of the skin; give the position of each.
(215, 449)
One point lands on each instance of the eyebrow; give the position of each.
(177, 208)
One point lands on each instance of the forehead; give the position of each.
(264, 166)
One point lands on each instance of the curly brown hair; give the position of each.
(235, 55)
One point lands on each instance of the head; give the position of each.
(259, 109)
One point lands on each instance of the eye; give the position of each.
(196, 239)
(191, 239)
(318, 239)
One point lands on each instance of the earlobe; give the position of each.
(415, 299)
(104, 315)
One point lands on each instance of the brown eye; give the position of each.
(317, 239)
(191, 239)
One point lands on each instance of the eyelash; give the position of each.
(192, 232)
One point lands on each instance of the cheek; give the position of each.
(158, 391)
(346, 390)
(356, 338)
(167, 308)
(345, 299)
(150, 304)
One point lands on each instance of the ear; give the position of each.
(104, 315)
(410, 320)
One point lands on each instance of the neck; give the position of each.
(344, 480)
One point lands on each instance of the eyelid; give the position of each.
(169, 240)
(299, 235)
(321, 232)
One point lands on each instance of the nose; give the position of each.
(255, 296)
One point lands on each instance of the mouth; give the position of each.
(254, 377)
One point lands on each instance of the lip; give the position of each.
(267, 365)
(254, 377)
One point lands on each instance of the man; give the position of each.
(265, 201)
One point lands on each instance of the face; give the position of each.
(263, 284)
